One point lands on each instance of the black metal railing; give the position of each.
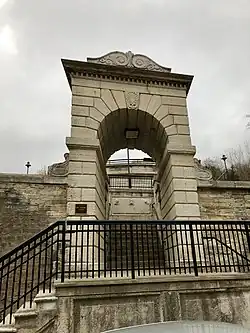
(131, 181)
(104, 249)
(124, 161)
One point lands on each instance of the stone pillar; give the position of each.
(86, 186)
(86, 180)
(178, 185)
(179, 200)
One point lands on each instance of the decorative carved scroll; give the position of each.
(129, 59)
(202, 173)
(60, 169)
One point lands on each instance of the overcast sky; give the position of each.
(209, 39)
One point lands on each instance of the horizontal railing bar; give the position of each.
(159, 222)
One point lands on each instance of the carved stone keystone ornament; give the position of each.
(132, 100)
(129, 59)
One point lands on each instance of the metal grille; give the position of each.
(131, 182)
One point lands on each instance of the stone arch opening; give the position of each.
(115, 132)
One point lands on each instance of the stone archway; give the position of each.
(124, 92)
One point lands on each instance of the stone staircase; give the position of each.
(40, 317)
(142, 242)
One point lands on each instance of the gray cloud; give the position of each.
(209, 40)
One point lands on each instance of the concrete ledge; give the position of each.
(32, 179)
(224, 184)
(7, 329)
(152, 279)
(130, 190)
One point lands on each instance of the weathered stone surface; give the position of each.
(102, 305)
(28, 204)
(81, 100)
(108, 99)
(224, 203)
(119, 98)
(144, 101)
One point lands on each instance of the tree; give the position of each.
(238, 164)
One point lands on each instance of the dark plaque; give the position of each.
(81, 209)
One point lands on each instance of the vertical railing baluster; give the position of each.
(93, 250)
(99, 249)
(148, 250)
(126, 243)
(70, 249)
(142, 245)
(121, 249)
(26, 275)
(110, 241)
(33, 273)
(222, 250)
(82, 232)
(139, 249)
(177, 248)
(87, 252)
(132, 252)
(193, 249)
(13, 286)
(212, 245)
(153, 246)
(167, 248)
(45, 262)
(183, 252)
(198, 235)
(172, 247)
(158, 249)
(76, 249)
(57, 251)
(6, 290)
(162, 247)
(235, 246)
(187, 247)
(240, 243)
(246, 224)
(63, 251)
(51, 261)
(244, 254)
(105, 239)
(115, 243)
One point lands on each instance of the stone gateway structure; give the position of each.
(98, 244)
(126, 100)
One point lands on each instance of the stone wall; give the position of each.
(98, 306)
(131, 204)
(224, 200)
(28, 204)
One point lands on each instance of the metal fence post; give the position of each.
(63, 250)
(132, 252)
(193, 249)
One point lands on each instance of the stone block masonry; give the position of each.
(28, 204)
(224, 200)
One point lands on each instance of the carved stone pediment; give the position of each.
(202, 173)
(59, 169)
(129, 59)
